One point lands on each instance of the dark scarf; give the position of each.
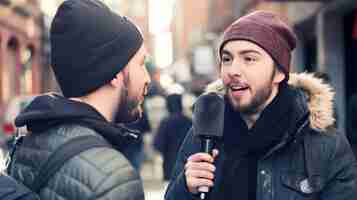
(244, 147)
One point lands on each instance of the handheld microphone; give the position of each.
(208, 121)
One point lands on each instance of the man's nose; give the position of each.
(234, 70)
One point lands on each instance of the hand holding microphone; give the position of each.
(199, 172)
(208, 121)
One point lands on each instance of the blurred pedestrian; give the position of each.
(277, 142)
(171, 133)
(98, 60)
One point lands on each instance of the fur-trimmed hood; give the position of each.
(320, 97)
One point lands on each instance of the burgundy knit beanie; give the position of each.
(266, 30)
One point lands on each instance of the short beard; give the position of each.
(128, 110)
(259, 100)
(255, 106)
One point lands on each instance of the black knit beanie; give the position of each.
(90, 44)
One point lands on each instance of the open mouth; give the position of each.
(238, 87)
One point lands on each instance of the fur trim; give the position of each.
(320, 97)
(320, 101)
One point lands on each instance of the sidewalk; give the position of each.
(154, 189)
(151, 175)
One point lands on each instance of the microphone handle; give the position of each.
(206, 147)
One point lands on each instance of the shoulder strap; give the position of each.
(64, 153)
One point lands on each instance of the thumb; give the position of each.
(215, 153)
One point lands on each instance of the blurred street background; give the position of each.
(182, 37)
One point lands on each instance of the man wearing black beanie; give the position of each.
(98, 60)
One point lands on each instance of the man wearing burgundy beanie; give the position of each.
(278, 139)
(98, 58)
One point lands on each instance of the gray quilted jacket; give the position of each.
(98, 173)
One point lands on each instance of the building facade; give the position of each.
(20, 49)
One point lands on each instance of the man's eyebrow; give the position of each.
(249, 51)
(241, 52)
(226, 52)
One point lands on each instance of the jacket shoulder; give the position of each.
(96, 173)
(328, 149)
(328, 141)
(105, 171)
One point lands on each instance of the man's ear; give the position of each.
(118, 80)
(279, 76)
(121, 78)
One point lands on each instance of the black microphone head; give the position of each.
(208, 115)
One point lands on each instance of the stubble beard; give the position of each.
(256, 103)
(259, 100)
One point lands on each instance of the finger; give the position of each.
(200, 166)
(199, 182)
(199, 174)
(203, 189)
(201, 157)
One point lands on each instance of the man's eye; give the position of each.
(249, 59)
(226, 59)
